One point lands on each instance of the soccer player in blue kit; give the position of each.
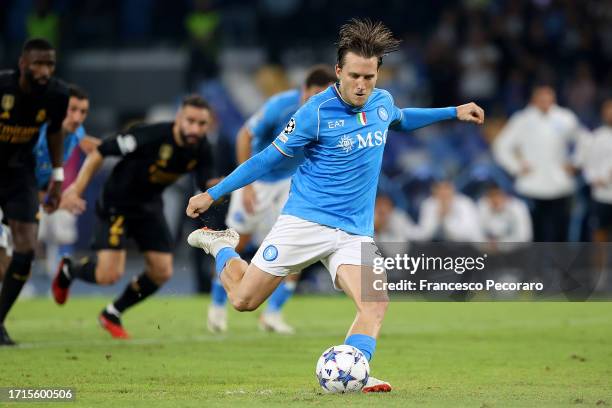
(254, 208)
(330, 210)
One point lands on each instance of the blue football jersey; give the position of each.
(44, 168)
(268, 122)
(343, 148)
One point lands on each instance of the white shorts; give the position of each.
(271, 197)
(294, 243)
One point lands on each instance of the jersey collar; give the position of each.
(354, 109)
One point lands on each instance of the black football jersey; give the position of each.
(151, 161)
(22, 115)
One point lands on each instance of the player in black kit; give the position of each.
(130, 205)
(29, 98)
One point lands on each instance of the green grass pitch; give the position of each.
(434, 354)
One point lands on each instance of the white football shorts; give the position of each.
(271, 198)
(294, 243)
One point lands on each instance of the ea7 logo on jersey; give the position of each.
(332, 124)
(290, 127)
(377, 139)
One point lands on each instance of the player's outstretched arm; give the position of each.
(243, 153)
(246, 173)
(71, 199)
(415, 118)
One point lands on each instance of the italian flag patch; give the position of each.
(361, 118)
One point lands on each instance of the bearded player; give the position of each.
(130, 206)
(29, 98)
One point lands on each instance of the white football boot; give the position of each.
(376, 385)
(212, 241)
(274, 322)
(217, 319)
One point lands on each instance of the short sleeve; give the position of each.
(261, 124)
(124, 143)
(301, 130)
(80, 133)
(396, 113)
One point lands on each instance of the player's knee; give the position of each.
(25, 243)
(161, 273)
(109, 276)
(244, 304)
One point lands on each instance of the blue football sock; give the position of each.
(223, 256)
(280, 296)
(218, 293)
(364, 343)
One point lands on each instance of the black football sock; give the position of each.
(136, 291)
(64, 278)
(112, 314)
(85, 270)
(16, 276)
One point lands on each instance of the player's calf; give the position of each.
(17, 275)
(373, 312)
(159, 266)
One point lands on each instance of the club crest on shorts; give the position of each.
(270, 253)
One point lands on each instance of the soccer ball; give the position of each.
(342, 369)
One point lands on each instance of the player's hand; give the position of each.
(52, 199)
(470, 112)
(198, 204)
(71, 201)
(89, 143)
(249, 199)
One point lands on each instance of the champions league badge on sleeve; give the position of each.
(290, 127)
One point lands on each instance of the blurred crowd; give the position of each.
(487, 50)
(493, 52)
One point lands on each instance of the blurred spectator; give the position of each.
(202, 26)
(393, 225)
(597, 168)
(478, 60)
(449, 216)
(43, 22)
(503, 218)
(534, 147)
(582, 93)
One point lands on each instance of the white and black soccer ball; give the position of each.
(342, 369)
